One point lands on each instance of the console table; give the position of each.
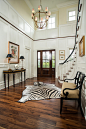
(13, 72)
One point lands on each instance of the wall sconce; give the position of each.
(9, 56)
(22, 57)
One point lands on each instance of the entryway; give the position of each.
(46, 63)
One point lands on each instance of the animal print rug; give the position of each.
(46, 91)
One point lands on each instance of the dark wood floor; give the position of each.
(42, 114)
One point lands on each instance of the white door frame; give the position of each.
(28, 48)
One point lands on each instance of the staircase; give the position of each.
(68, 68)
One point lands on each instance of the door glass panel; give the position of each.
(43, 63)
(53, 63)
(53, 54)
(38, 55)
(38, 63)
(44, 55)
(47, 55)
(47, 64)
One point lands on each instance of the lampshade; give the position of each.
(21, 57)
(9, 55)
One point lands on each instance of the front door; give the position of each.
(46, 63)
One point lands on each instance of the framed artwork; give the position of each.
(61, 54)
(82, 47)
(14, 50)
(61, 57)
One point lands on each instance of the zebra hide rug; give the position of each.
(40, 92)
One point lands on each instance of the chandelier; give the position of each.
(39, 22)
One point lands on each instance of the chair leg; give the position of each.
(79, 101)
(61, 103)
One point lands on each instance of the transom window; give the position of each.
(51, 22)
(72, 15)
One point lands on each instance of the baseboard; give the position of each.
(2, 86)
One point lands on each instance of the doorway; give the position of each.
(27, 63)
(46, 63)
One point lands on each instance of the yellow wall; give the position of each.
(63, 14)
(22, 8)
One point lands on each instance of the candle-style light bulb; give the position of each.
(46, 9)
(49, 13)
(35, 18)
(33, 11)
(41, 19)
(47, 17)
(32, 15)
(39, 7)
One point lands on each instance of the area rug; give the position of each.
(46, 91)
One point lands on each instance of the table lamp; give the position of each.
(9, 56)
(22, 57)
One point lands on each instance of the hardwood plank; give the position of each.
(41, 114)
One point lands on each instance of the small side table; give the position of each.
(13, 72)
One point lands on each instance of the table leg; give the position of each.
(14, 80)
(8, 81)
(21, 76)
(24, 75)
(5, 80)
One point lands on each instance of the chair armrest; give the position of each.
(68, 79)
(66, 94)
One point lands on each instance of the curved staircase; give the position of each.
(68, 68)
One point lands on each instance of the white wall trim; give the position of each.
(28, 48)
(29, 4)
(18, 13)
(65, 4)
(3, 65)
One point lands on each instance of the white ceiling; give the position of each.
(51, 4)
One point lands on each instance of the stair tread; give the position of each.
(64, 76)
(73, 64)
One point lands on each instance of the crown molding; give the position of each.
(65, 4)
(54, 9)
(29, 4)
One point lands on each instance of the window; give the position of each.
(51, 22)
(46, 60)
(38, 59)
(53, 59)
(72, 15)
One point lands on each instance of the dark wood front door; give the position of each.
(46, 63)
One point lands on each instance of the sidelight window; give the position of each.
(53, 59)
(38, 59)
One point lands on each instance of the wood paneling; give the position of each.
(41, 114)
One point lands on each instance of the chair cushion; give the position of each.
(72, 93)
